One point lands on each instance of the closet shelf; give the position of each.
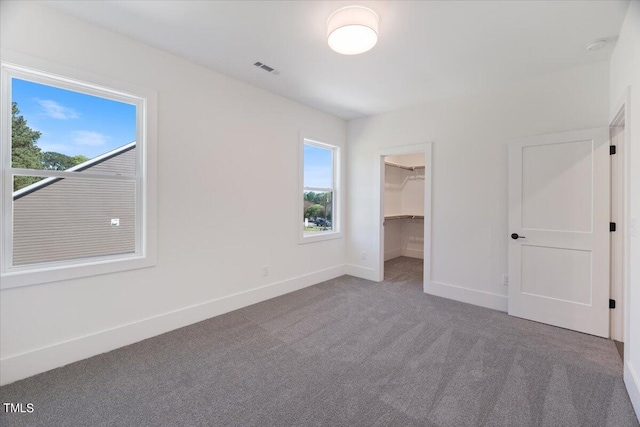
(389, 217)
(409, 168)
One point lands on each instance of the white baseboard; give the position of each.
(392, 253)
(632, 382)
(470, 296)
(17, 367)
(413, 253)
(361, 272)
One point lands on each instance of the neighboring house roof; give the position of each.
(77, 168)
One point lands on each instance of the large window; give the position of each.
(74, 178)
(319, 191)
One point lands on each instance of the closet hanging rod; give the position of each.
(409, 168)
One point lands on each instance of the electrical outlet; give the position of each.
(265, 270)
(363, 255)
(505, 279)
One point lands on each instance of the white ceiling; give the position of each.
(426, 50)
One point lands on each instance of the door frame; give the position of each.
(623, 115)
(379, 179)
(619, 216)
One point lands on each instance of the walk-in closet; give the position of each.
(404, 206)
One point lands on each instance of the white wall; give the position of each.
(404, 237)
(228, 155)
(394, 179)
(470, 137)
(413, 193)
(625, 72)
(393, 242)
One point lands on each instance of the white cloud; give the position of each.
(92, 139)
(56, 111)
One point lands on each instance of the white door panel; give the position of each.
(544, 273)
(558, 175)
(559, 206)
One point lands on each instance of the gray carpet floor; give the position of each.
(346, 352)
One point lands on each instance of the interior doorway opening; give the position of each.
(405, 213)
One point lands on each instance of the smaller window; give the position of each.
(319, 191)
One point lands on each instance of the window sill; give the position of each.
(46, 274)
(311, 238)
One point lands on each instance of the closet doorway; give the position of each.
(404, 235)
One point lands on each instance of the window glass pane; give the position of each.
(318, 167)
(59, 129)
(318, 211)
(66, 218)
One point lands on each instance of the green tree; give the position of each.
(317, 198)
(314, 211)
(322, 198)
(310, 196)
(56, 161)
(24, 149)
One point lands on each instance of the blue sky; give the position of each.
(317, 167)
(73, 123)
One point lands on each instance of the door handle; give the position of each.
(515, 236)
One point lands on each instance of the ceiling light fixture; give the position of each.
(352, 30)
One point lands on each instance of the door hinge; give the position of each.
(612, 150)
(612, 227)
(612, 303)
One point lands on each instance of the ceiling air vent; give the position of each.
(266, 68)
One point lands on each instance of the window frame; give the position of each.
(336, 216)
(145, 100)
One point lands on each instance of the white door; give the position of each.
(559, 230)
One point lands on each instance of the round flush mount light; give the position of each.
(596, 44)
(352, 30)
